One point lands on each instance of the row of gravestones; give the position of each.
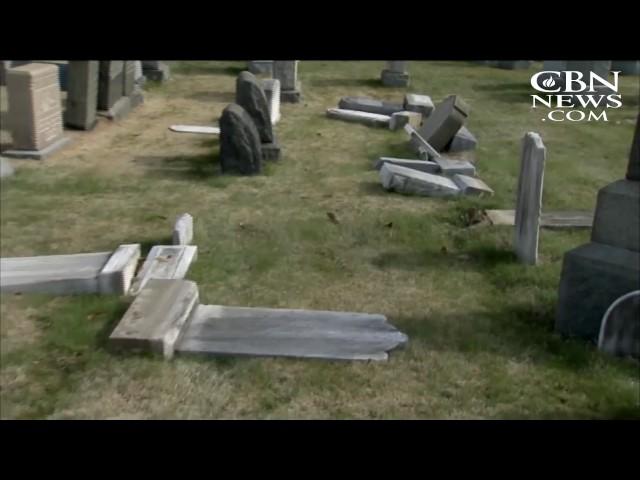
(599, 67)
(35, 119)
(285, 71)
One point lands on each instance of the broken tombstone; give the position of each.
(418, 103)
(365, 118)
(444, 122)
(400, 119)
(371, 105)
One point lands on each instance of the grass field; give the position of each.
(480, 325)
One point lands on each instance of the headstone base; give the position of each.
(160, 74)
(394, 79)
(291, 96)
(270, 151)
(593, 277)
(38, 154)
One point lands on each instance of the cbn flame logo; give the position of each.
(548, 83)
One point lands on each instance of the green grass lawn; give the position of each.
(480, 325)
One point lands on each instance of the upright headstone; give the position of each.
(626, 67)
(35, 111)
(597, 273)
(260, 66)
(271, 87)
(444, 122)
(139, 76)
(155, 70)
(287, 72)
(251, 97)
(82, 95)
(529, 199)
(110, 83)
(129, 77)
(240, 146)
(395, 74)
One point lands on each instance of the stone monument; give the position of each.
(395, 74)
(82, 95)
(287, 73)
(594, 275)
(260, 66)
(35, 111)
(240, 146)
(155, 70)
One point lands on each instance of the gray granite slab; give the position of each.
(165, 262)
(221, 330)
(412, 182)
(371, 119)
(183, 230)
(420, 165)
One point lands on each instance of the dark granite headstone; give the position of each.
(82, 95)
(240, 148)
(251, 97)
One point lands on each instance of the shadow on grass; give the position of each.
(196, 167)
(217, 97)
(346, 82)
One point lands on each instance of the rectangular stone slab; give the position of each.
(412, 182)
(450, 166)
(156, 319)
(117, 274)
(220, 330)
(371, 105)
(617, 217)
(418, 103)
(165, 262)
(420, 165)
(53, 274)
(371, 119)
(566, 219)
(195, 129)
(472, 186)
(444, 122)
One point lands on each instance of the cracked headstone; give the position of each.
(395, 74)
(371, 105)
(290, 86)
(418, 103)
(183, 230)
(472, 186)
(420, 165)
(620, 328)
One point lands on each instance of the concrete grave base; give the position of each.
(394, 79)
(38, 154)
(291, 96)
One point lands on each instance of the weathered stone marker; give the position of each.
(287, 73)
(444, 122)
(395, 74)
(371, 105)
(183, 230)
(620, 328)
(251, 97)
(82, 95)
(155, 70)
(35, 111)
(260, 66)
(596, 274)
(165, 262)
(110, 83)
(240, 146)
(271, 87)
(529, 198)
(413, 182)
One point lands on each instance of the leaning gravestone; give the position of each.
(371, 105)
(444, 122)
(597, 273)
(287, 73)
(395, 74)
(529, 199)
(82, 95)
(620, 328)
(251, 97)
(240, 146)
(35, 111)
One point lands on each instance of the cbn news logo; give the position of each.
(567, 91)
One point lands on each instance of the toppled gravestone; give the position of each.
(418, 103)
(371, 105)
(444, 122)
(240, 146)
(420, 165)
(462, 141)
(400, 119)
(366, 118)
(413, 182)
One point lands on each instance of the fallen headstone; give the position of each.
(450, 166)
(420, 145)
(472, 186)
(412, 182)
(400, 119)
(462, 141)
(567, 219)
(444, 122)
(157, 317)
(420, 165)
(371, 119)
(240, 146)
(529, 198)
(164, 262)
(371, 105)
(183, 230)
(418, 103)
(99, 273)
(195, 129)
(620, 328)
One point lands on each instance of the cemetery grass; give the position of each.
(480, 325)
